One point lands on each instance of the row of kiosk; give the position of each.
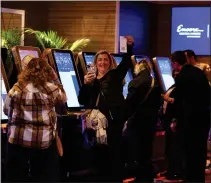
(71, 69)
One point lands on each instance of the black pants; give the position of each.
(175, 152)
(43, 164)
(196, 154)
(141, 145)
(115, 145)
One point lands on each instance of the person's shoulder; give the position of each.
(191, 69)
(50, 87)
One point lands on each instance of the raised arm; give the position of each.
(126, 62)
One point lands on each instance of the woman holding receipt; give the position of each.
(107, 80)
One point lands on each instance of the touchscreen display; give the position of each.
(68, 77)
(139, 58)
(24, 53)
(128, 77)
(89, 58)
(165, 69)
(3, 97)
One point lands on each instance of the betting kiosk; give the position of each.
(4, 89)
(72, 123)
(164, 72)
(9, 65)
(4, 119)
(129, 75)
(19, 52)
(84, 59)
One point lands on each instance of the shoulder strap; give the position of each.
(146, 96)
(149, 91)
(97, 101)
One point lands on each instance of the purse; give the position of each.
(96, 121)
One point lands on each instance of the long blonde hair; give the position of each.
(37, 72)
(141, 65)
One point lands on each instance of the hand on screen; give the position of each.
(89, 77)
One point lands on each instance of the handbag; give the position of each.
(96, 121)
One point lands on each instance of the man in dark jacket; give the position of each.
(143, 103)
(192, 95)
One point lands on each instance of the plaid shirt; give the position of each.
(31, 113)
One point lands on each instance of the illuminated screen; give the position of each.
(24, 53)
(165, 69)
(3, 97)
(139, 58)
(68, 77)
(89, 58)
(191, 29)
(128, 77)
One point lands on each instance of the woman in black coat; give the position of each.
(143, 105)
(108, 82)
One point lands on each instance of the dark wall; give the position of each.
(35, 15)
(134, 19)
(160, 30)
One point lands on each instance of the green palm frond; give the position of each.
(11, 37)
(78, 45)
(49, 39)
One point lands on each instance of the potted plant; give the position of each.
(50, 39)
(9, 38)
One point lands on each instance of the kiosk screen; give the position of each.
(164, 66)
(68, 76)
(128, 77)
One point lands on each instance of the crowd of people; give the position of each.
(34, 101)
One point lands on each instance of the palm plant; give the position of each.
(9, 38)
(50, 39)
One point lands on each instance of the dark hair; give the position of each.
(179, 57)
(190, 53)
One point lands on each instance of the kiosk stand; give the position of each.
(72, 122)
(129, 75)
(84, 59)
(19, 52)
(4, 119)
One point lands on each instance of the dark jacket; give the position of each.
(171, 110)
(111, 87)
(192, 95)
(137, 90)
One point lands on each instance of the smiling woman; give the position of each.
(105, 92)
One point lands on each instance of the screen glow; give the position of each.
(68, 77)
(128, 77)
(165, 69)
(3, 97)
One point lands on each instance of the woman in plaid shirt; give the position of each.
(30, 106)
